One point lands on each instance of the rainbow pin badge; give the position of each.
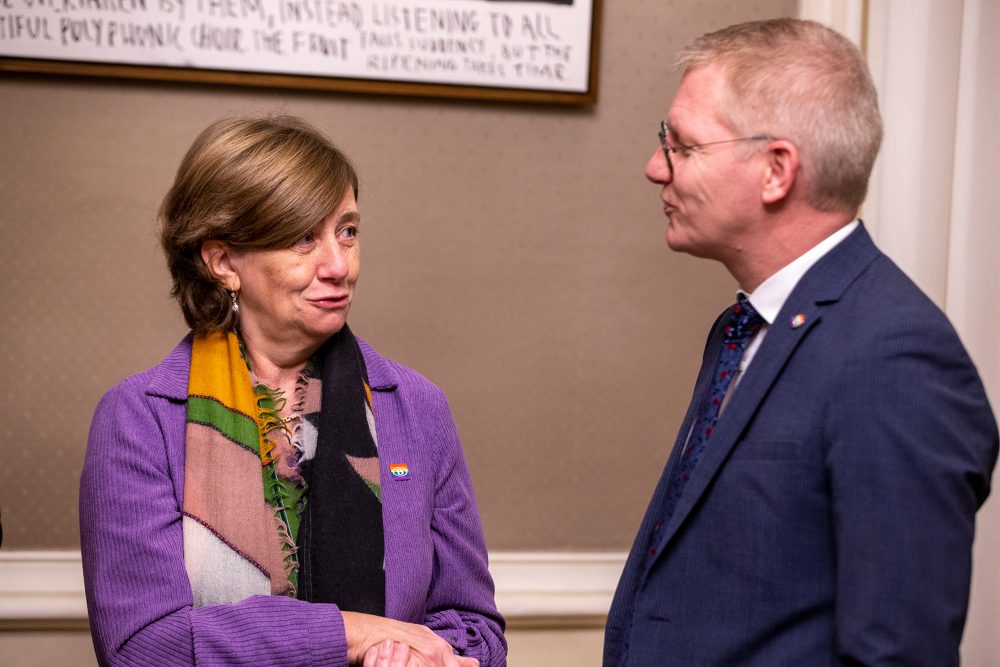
(798, 321)
(399, 471)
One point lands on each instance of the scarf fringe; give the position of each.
(278, 491)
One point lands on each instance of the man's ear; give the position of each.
(218, 258)
(781, 170)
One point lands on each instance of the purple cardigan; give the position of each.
(138, 595)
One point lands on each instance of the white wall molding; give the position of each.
(537, 589)
(555, 589)
(41, 586)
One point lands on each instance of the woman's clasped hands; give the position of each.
(374, 641)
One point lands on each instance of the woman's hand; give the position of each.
(390, 653)
(384, 642)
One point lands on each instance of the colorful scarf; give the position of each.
(250, 482)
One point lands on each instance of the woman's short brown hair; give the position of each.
(252, 183)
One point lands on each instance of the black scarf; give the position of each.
(341, 543)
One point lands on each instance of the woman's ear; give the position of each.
(782, 170)
(218, 258)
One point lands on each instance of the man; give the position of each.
(819, 505)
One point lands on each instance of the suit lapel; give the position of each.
(708, 362)
(822, 285)
(634, 570)
(778, 347)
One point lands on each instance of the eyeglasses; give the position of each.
(687, 148)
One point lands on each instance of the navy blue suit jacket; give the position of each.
(830, 518)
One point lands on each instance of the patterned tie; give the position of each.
(743, 324)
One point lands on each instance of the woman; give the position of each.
(274, 491)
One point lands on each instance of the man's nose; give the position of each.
(657, 169)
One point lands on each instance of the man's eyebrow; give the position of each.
(675, 133)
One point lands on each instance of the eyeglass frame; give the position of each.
(668, 149)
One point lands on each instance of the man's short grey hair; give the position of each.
(803, 82)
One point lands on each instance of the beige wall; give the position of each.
(514, 254)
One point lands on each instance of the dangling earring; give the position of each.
(236, 305)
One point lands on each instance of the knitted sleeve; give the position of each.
(460, 603)
(138, 595)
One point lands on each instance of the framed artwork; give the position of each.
(514, 50)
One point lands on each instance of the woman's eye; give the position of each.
(348, 233)
(306, 240)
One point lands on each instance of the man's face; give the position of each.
(713, 195)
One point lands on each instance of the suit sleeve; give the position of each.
(138, 594)
(460, 605)
(911, 446)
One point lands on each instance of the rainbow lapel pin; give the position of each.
(399, 471)
(798, 321)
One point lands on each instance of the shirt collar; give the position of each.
(771, 294)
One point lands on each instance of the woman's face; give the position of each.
(298, 297)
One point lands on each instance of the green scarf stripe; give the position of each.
(283, 495)
(234, 425)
